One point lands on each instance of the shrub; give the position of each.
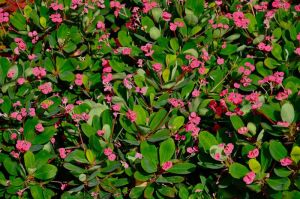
(150, 99)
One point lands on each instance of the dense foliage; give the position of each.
(150, 99)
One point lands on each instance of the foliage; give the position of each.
(150, 99)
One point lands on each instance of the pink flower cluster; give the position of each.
(157, 67)
(63, 153)
(4, 16)
(39, 128)
(131, 115)
(175, 25)
(264, 47)
(56, 6)
(34, 36)
(39, 72)
(80, 117)
(117, 6)
(46, 88)
(243, 130)
(240, 20)
(249, 177)
(109, 153)
(166, 16)
(21, 45)
(167, 165)
(148, 5)
(147, 49)
(177, 103)
(286, 161)
(23, 145)
(253, 153)
(191, 126)
(78, 79)
(274, 79)
(56, 18)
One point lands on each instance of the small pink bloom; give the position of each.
(63, 186)
(112, 157)
(21, 81)
(100, 132)
(108, 151)
(167, 165)
(286, 161)
(126, 51)
(11, 73)
(243, 130)
(39, 128)
(23, 145)
(45, 88)
(283, 124)
(131, 115)
(249, 177)
(228, 149)
(220, 61)
(195, 93)
(166, 16)
(138, 156)
(62, 153)
(13, 136)
(157, 67)
(253, 154)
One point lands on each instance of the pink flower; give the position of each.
(100, 132)
(56, 18)
(220, 61)
(173, 26)
(21, 80)
(243, 130)
(63, 186)
(116, 107)
(286, 161)
(39, 128)
(138, 156)
(131, 115)
(240, 20)
(13, 136)
(195, 93)
(249, 177)
(56, 6)
(79, 79)
(235, 98)
(283, 124)
(147, 49)
(11, 73)
(62, 153)
(101, 25)
(32, 112)
(228, 148)
(23, 145)
(167, 165)
(126, 51)
(45, 88)
(108, 151)
(157, 67)
(112, 157)
(297, 51)
(166, 16)
(253, 154)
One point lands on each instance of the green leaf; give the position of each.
(69, 47)
(124, 38)
(141, 114)
(29, 160)
(254, 165)
(11, 166)
(230, 49)
(36, 192)
(148, 165)
(136, 192)
(167, 191)
(176, 123)
(158, 119)
(159, 135)
(88, 130)
(277, 150)
(238, 170)
(27, 11)
(43, 22)
(155, 33)
(279, 184)
(18, 21)
(287, 112)
(206, 140)
(166, 150)
(174, 44)
(182, 168)
(45, 136)
(295, 154)
(276, 51)
(236, 122)
(90, 156)
(46, 172)
(282, 172)
(150, 157)
(271, 63)
(196, 6)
